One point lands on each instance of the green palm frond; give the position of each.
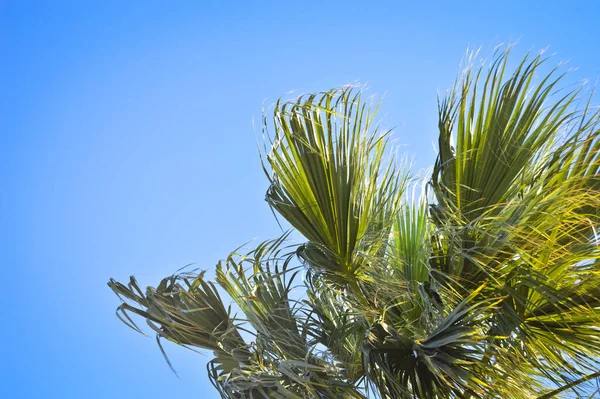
(330, 178)
(410, 246)
(498, 130)
(518, 205)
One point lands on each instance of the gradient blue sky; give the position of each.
(128, 148)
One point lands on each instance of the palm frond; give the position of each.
(518, 205)
(186, 310)
(330, 179)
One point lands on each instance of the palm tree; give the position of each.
(481, 282)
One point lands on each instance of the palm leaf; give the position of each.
(330, 180)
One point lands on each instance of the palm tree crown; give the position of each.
(481, 282)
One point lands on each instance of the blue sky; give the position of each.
(128, 148)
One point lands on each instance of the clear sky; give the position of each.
(128, 148)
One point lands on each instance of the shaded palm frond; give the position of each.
(186, 310)
(260, 282)
(447, 362)
(336, 326)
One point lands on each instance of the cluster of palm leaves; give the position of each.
(481, 281)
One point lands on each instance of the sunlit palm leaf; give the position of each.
(330, 179)
(518, 206)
